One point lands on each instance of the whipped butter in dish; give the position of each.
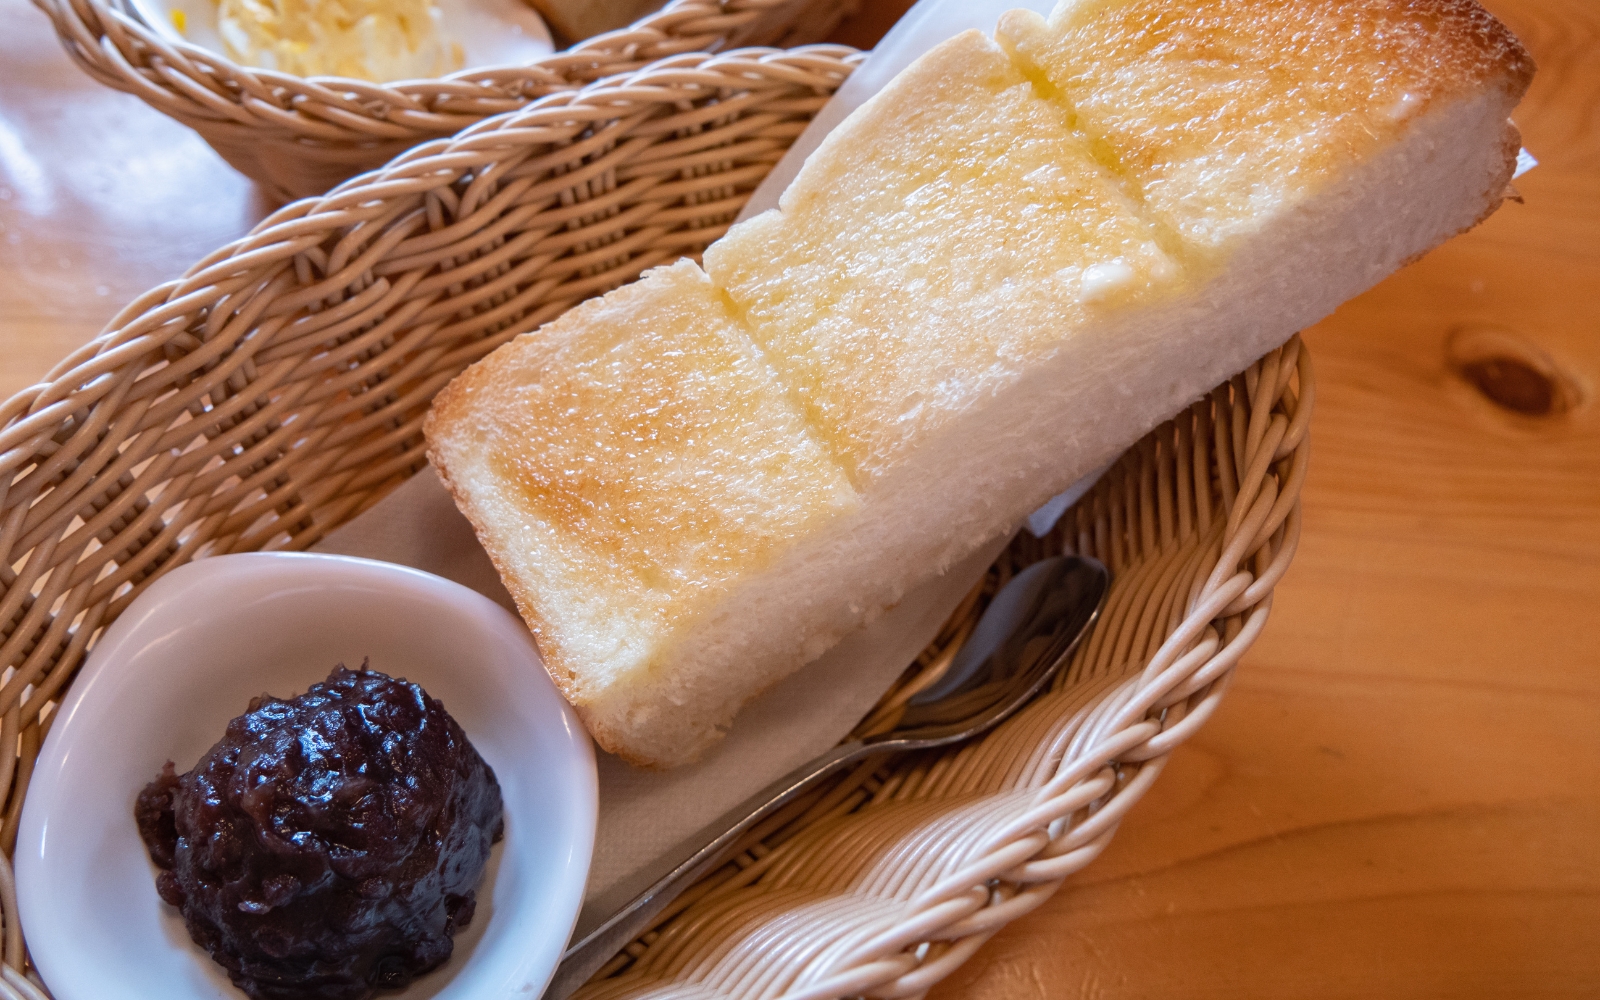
(378, 40)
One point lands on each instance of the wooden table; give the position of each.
(1401, 796)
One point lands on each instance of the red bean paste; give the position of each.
(328, 846)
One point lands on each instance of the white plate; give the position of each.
(490, 32)
(186, 657)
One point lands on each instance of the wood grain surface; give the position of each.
(1401, 796)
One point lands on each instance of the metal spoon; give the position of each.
(1025, 635)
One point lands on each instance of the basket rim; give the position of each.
(427, 166)
(89, 26)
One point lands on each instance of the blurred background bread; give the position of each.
(574, 20)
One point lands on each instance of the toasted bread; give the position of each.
(1002, 270)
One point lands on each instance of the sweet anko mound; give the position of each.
(330, 845)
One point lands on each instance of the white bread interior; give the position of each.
(931, 379)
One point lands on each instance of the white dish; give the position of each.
(490, 32)
(186, 657)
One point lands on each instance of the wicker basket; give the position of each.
(299, 137)
(278, 388)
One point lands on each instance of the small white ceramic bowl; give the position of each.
(186, 657)
(490, 32)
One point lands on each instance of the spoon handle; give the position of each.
(1022, 639)
(585, 958)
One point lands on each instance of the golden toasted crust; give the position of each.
(564, 670)
(450, 408)
(1217, 112)
(1458, 44)
(1481, 46)
(625, 466)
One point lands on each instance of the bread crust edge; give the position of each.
(450, 406)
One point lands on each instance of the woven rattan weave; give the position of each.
(277, 390)
(299, 137)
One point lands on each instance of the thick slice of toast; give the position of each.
(633, 469)
(998, 273)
